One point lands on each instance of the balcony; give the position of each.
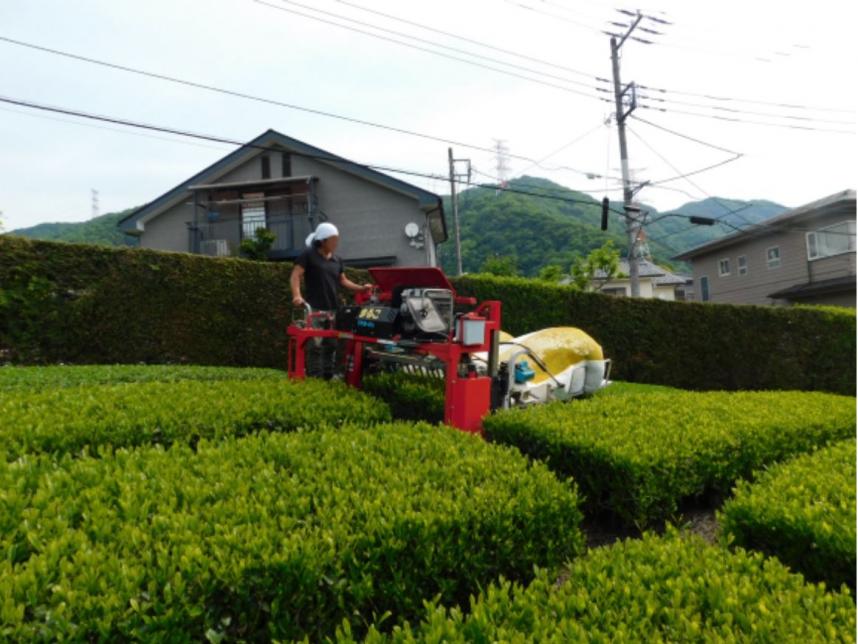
(231, 212)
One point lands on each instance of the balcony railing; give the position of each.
(223, 236)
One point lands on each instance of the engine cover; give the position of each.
(372, 320)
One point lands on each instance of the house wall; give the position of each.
(371, 217)
(646, 287)
(760, 280)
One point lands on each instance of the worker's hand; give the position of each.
(367, 288)
(297, 301)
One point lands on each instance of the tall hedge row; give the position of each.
(87, 304)
(92, 304)
(686, 344)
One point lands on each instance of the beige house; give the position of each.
(656, 282)
(287, 186)
(805, 255)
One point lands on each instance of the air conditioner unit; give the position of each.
(215, 247)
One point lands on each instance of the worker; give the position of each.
(323, 272)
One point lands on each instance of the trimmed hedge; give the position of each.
(638, 456)
(89, 304)
(69, 376)
(650, 590)
(409, 396)
(273, 536)
(803, 512)
(686, 344)
(69, 419)
(83, 304)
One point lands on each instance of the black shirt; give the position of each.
(321, 278)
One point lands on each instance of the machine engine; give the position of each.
(420, 314)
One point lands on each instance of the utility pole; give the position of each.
(454, 201)
(632, 211)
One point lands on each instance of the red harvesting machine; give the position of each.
(415, 321)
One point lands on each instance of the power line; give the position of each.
(194, 135)
(579, 72)
(435, 43)
(258, 99)
(466, 39)
(685, 136)
(739, 120)
(241, 144)
(562, 148)
(432, 51)
(752, 101)
(734, 110)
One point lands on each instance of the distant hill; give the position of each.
(677, 233)
(536, 229)
(540, 229)
(99, 230)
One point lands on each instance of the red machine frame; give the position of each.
(468, 396)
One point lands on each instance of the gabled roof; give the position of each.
(133, 224)
(774, 224)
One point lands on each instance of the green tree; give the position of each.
(591, 273)
(551, 273)
(258, 247)
(502, 265)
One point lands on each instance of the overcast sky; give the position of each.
(769, 52)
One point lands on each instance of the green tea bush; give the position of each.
(409, 396)
(802, 511)
(69, 419)
(638, 456)
(620, 388)
(70, 375)
(650, 590)
(272, 536)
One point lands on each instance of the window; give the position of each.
(742, 263)
(831, 240)
(704, 289)
(617, 292)
(287, 164)
(773, 256)
(252, 214)
(724, 267)
(266, 167)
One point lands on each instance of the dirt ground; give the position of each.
(699, 521)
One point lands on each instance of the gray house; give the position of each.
(284, 185)
(805, 255)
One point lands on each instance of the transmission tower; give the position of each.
(501, 162)
(94, 203)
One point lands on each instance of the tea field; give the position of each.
(165, 503)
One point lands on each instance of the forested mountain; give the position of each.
(547, 229)
(550, 225)
(99, 230)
